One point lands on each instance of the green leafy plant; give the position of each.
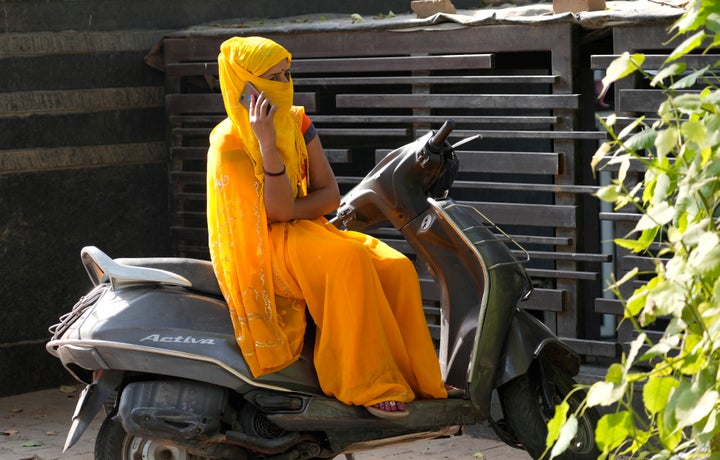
(678, 198)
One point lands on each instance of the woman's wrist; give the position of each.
(274, 174)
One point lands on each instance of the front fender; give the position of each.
(527, 340)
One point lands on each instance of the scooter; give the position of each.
(154, 344)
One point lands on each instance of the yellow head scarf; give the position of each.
(240, 246)
(242, 60)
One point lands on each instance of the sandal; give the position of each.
(454, 392)
(389, 409)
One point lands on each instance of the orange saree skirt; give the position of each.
(372, 341)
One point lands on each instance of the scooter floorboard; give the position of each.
(325, 414)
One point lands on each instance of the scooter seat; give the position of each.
(199, 272)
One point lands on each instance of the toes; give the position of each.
(391, 406)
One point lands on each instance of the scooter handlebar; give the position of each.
(442, 134)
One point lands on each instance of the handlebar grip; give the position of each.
(439, 138)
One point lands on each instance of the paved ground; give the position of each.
(33, 426)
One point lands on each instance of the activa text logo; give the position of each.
(177, 339)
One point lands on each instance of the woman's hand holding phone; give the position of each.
(261, 114)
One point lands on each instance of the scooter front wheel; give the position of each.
(113, 443)
(529, 403)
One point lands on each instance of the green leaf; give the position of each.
(713, 22)
(567, 433)
(615, 373)
(636, 302)
(613, 429)
(621, 67)
(692, 406)
(632, 245)
(662, 185)
(689, 81)
(31, 444)
(691, 18)
(556, 423)
(647, 237)
(608, 193)
(694, 131)
(657, 392)
(643, 140)
(665, 142)
(600, 153)
(670, 436)
(657, 215)
(705, 257)
(635, 346)
(666, 298)
(610, 390)
(687, 46)
(688, 103)
(712, 125)
(673, 69)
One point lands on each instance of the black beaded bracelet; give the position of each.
(271, 174)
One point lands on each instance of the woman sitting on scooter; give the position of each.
(274, 254)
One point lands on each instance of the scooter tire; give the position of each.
(521, 400)
(114, 443)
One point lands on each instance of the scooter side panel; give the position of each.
(172, 331)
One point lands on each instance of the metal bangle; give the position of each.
(272, 174)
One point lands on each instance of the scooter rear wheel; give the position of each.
(527, 413)
(113, 443)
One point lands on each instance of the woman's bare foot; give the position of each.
(454, 392)
(389, 409)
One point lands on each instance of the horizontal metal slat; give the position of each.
(509, 162)
(395, 63)
(530, 239)
(545, 300)
(357, 64)
(200, 153)
(212, 103)
(527, 214)
(642, 263)
(379, 118)
(609, 306)
(568, 256)
(378, 132)
(427, 80)
(522, 134)
(594, 347)
(564, 274)
(643, 100)
(526, 187)
(547, 163)
(655, 61)
(437, 101)
(620, 216)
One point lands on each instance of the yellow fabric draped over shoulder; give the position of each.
(239, 244)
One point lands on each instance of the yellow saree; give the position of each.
(372, 341)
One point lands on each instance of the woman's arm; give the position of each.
(278, 193)
(280, 203)
(323, 194)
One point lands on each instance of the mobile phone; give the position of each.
(247, 93)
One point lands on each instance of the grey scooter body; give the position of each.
(155, 338)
